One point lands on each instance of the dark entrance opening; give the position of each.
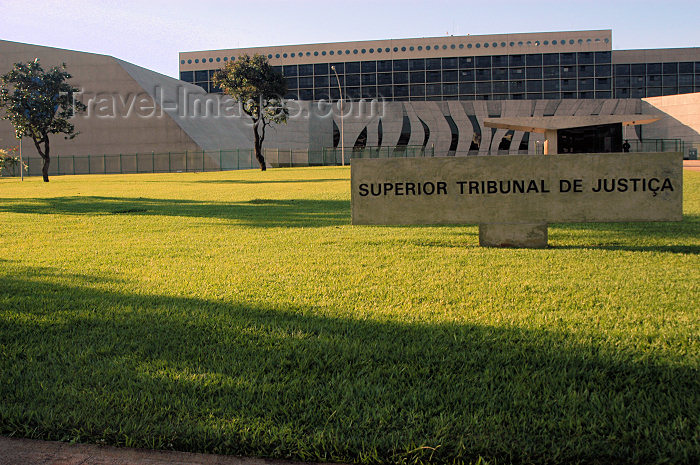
(602, 138)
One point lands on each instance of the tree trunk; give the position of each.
(258, 148)
(45, 155)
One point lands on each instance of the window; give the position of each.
(289, 70)
(603, 57)
(483, 74)
(466, 75)
(499, 61)
(638, 69)
(567, 58)
(321, 81)
(400, 65)
(321, 68)
(466, 87)
(483, 62)
(516, 60)
(549, 59)
(533, 73)
(653, 68)
(585, 70)
(500, 74)
(188, 76)
(466, 62)
(585, 58)
(433, 64)
(622, 70)
(352, 67)
(433, 76)
(306, 82)
(400, 78)
(533, 60)
(670, 68)
(533, 86)
(417, 76)
(306, 70)
(384, 78)
(550, 71)
(384, 66)
(369, 66)
(416, 64)
(450, 76)
(603, 70)
(352, 79)
(201, 76)
(449, 63)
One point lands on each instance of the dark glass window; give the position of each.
(500, 86)
(653, 91)
(483, 87)
(685, 89)
(533, 73)
(568, 84)
(638, 69)
(483, 74)
(321, 81)
(549, 59)
(622, 81)
(666, 90)
(352, 79)
(517, 73)
(585, 58)
(384, 78)
(352, 92)
(400, 91)
(293, 95)
(433, 89)
(550, 71)
(466, 62)
(352, 67)
(603, 70)
(201, 76)
(670, 68)
(637, 93)
(622, 93)
(568, 71)
(449, 76)
(637, 81)
(552, 95)
(417, 90)
(321, 68)
(466, 75)
(306, 82)
(289, 70)
(585, 84)
(449, 63)
(321, 94)
(685, 67)
(433, 64)
(292, 82)
(588, 94)
(567, 58)
(653, 68)
(466, 87)
(369, 79)
(369, 92)
(603, 84)
(450, 89)
(306, 70)
(603, 57)
(654, 80)
(533, 59)
(670, 80)
(685, 79)
(517, 86)
(499, 61)
(433, 76)
(417, 76)
(585, 70)
(416, 64)
(306, 94)
(385, 91)
(483, 62)
(339, 67)
(697, 67)
(400, 78)
(384, 66)
(369, 66)
(516, 60)
(622, 70)
(533, 86)
(500, 74)
(187, 76)
(400, 65)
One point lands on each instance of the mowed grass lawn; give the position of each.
(242, 313)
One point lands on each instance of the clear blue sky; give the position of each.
(150, 33)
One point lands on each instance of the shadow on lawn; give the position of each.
(635, 237)
(79, 363)
(256, 212)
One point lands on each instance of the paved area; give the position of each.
(33, 452)
(693, 165)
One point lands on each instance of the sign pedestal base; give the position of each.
(527, 236)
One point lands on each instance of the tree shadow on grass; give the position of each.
(80, 363)
(256, 212)
(676, 237)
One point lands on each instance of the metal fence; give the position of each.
(211, 160)
(240, 159)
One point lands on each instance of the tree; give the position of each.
(255, 83)
(39, 103)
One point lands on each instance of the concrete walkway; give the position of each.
(33, 452)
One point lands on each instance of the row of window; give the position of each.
(411, 48)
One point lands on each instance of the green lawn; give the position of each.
(241, 313)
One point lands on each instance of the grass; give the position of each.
(241, 313)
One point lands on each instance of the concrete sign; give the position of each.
(525, 190)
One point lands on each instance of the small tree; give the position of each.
(255, 83)
(39, 103)
(10, 161)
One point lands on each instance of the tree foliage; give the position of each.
(259, 88)
(39, 103)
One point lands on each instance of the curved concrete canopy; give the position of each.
(542, 124)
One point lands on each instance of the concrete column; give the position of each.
(550, 142)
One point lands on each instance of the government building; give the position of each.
(436, 96)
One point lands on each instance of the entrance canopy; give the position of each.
(542, 124)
